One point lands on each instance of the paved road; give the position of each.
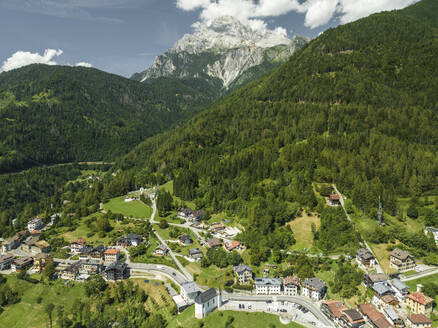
(419, 275)
(308, 304)
(341, 200)
(162, 241)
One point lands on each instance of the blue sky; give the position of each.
(124, 36)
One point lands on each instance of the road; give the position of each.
(308, 304)
(341, 200)
(154, 269)
(420, 274)
(162, 241)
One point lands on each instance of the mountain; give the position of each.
(224, 52)
(55, 114)
(357, 106)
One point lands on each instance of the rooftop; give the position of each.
(396, 283)
(268, 281)
(335, 307)
(213, 242)
(353, 315)
(381, 288)
(315, 283)
(242, 268)
(293, 280)
(419, 319)
(377, 277)
(206, 296)
(420, 298)
(399, 254)
(365, 254)
(190, 287)
(113, 251)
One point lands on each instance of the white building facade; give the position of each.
(268, 286)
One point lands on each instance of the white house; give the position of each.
(243, 274)
(314, 288)
(400, 289)
(189, 291)
(268, 286)
(10, 244)
(34, 224)
(206, 302)
(291, 285)
(434, 232)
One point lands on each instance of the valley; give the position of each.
(245, 178)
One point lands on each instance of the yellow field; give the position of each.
(301, 226)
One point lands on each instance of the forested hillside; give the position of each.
(55, 114)
(357, 107)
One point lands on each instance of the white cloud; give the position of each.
(83, 64)
(23, 58)
(317, 12)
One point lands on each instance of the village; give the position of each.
(392, 304)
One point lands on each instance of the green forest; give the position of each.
(357, 107)
(58, 114)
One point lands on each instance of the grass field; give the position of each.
(82, 231)
(211, 276)
(28, 313)
(168, 186)
(217, 319)
(135, 208)
(301, 226)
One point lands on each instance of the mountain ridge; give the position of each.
(223, 51)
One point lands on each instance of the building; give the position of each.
(11, 243)
(71, 272)
(401, 260)
(6, 261)
(334, 200)
(375, 278)
(206, 302)
(217, 226)
(91, 266)
(365, 258)
(385, 300)
(77, 245)
(41, 246)
(40, 261)
(21, 264)
(111, 255)
(184, 213)
(381, 289)
(232, 245)
(185, 240)
(116, 271)
(351, 319)
(434, 232)
(268, 286)
(333, 310)
(374, 317)
(419, 321)
(129, 240)
(243, 274)
(291, 286)
(314, 288)
(34, 224)
(419, 303)
(28, 243)
(161, 250)
(214, 242)
(189, 291)
(97, 253)
(400, 288)
(393, 317)
(196, 254)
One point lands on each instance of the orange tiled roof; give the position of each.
(336, 307)
(420, 298)
(112, 251)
